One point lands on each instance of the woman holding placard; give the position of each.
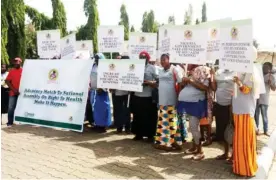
(99, 100)
(193, 102)
(244, 141)
(171, 132)
(144, 109)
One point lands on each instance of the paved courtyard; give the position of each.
(30, 152)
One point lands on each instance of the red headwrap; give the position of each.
(145, 53)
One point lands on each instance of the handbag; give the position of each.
(229, 131)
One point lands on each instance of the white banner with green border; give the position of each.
(54, 93)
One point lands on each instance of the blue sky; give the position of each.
(261, 11)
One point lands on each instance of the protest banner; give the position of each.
(213, 43)
(56, 97)
(68, 46)
(82, 55)
(236, 52)
(48, 43)
(139, 42)
(188, 44)
(121, 74)
(111, 38)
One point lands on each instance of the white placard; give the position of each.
(121, 74)
(68, 46)
(83, 55)
(213, 43)
(125, 51)
(48, 43)
(86, 45)
(236, 52)
(111, 38)
(139, 42)
(164, 40)
(56, 97)
(188, 44)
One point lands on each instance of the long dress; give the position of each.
(4, 94)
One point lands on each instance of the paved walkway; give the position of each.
(30, 152)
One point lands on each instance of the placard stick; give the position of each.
(128, 100)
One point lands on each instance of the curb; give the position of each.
(265, 159)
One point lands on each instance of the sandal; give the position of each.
(164, 148)
(222, 157)
(176, 146)
(190, 151)
(198, 157)
(207, 143)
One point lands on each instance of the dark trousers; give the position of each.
(11, 108)
(121, 112)
(89, 112)
(223, 116)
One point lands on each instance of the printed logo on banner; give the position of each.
(214, 33)
(70, 118)
(48, 36)
(111, 67)
(83, 45)
(131, 67)
(110, 32)
(234, 33)
(188, 34)
(53, 75)
(165, 33)
(67, 41)
(142, 39)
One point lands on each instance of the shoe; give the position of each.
(119, 130)
(9, 125)
(266, 134)
(128, 131)
(138, 138)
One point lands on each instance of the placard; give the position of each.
(125, 51)
(121, 74)
(56, 97)
(68, 46)
(188, 44)
(86, 45)
(111, 38)
(236, 52)
(213, 43)
(139, 42)
(48, 43)
(164, 40)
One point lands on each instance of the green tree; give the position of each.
(39, 20)
(204, 13)
(31, 46)
(148, 23)
(132, 29)
(197, 21)
(4, 33)
(15, 16)
(171, 20)
(124, 21)
(89, 31)
(59, 16)
(188, 17)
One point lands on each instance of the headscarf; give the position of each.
(100, 55)
(18, 60)
(145, 53)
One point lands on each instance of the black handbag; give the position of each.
(154, 95)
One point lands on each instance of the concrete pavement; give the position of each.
(30, 152)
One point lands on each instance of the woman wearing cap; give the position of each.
(99, 100)
(193, 102)
(144, 109)
(169, 133)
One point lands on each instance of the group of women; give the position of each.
(195, 94)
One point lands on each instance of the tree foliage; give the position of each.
(148, 23)
(31, 46)
(39, 20)
(204, 13)
(59, 19)
(4, 33)
(132, 29)
(171, 20)
(188, 15)
(15, 19)
(89, 31)
(124, 21)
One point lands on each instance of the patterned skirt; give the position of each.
(170, 127)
